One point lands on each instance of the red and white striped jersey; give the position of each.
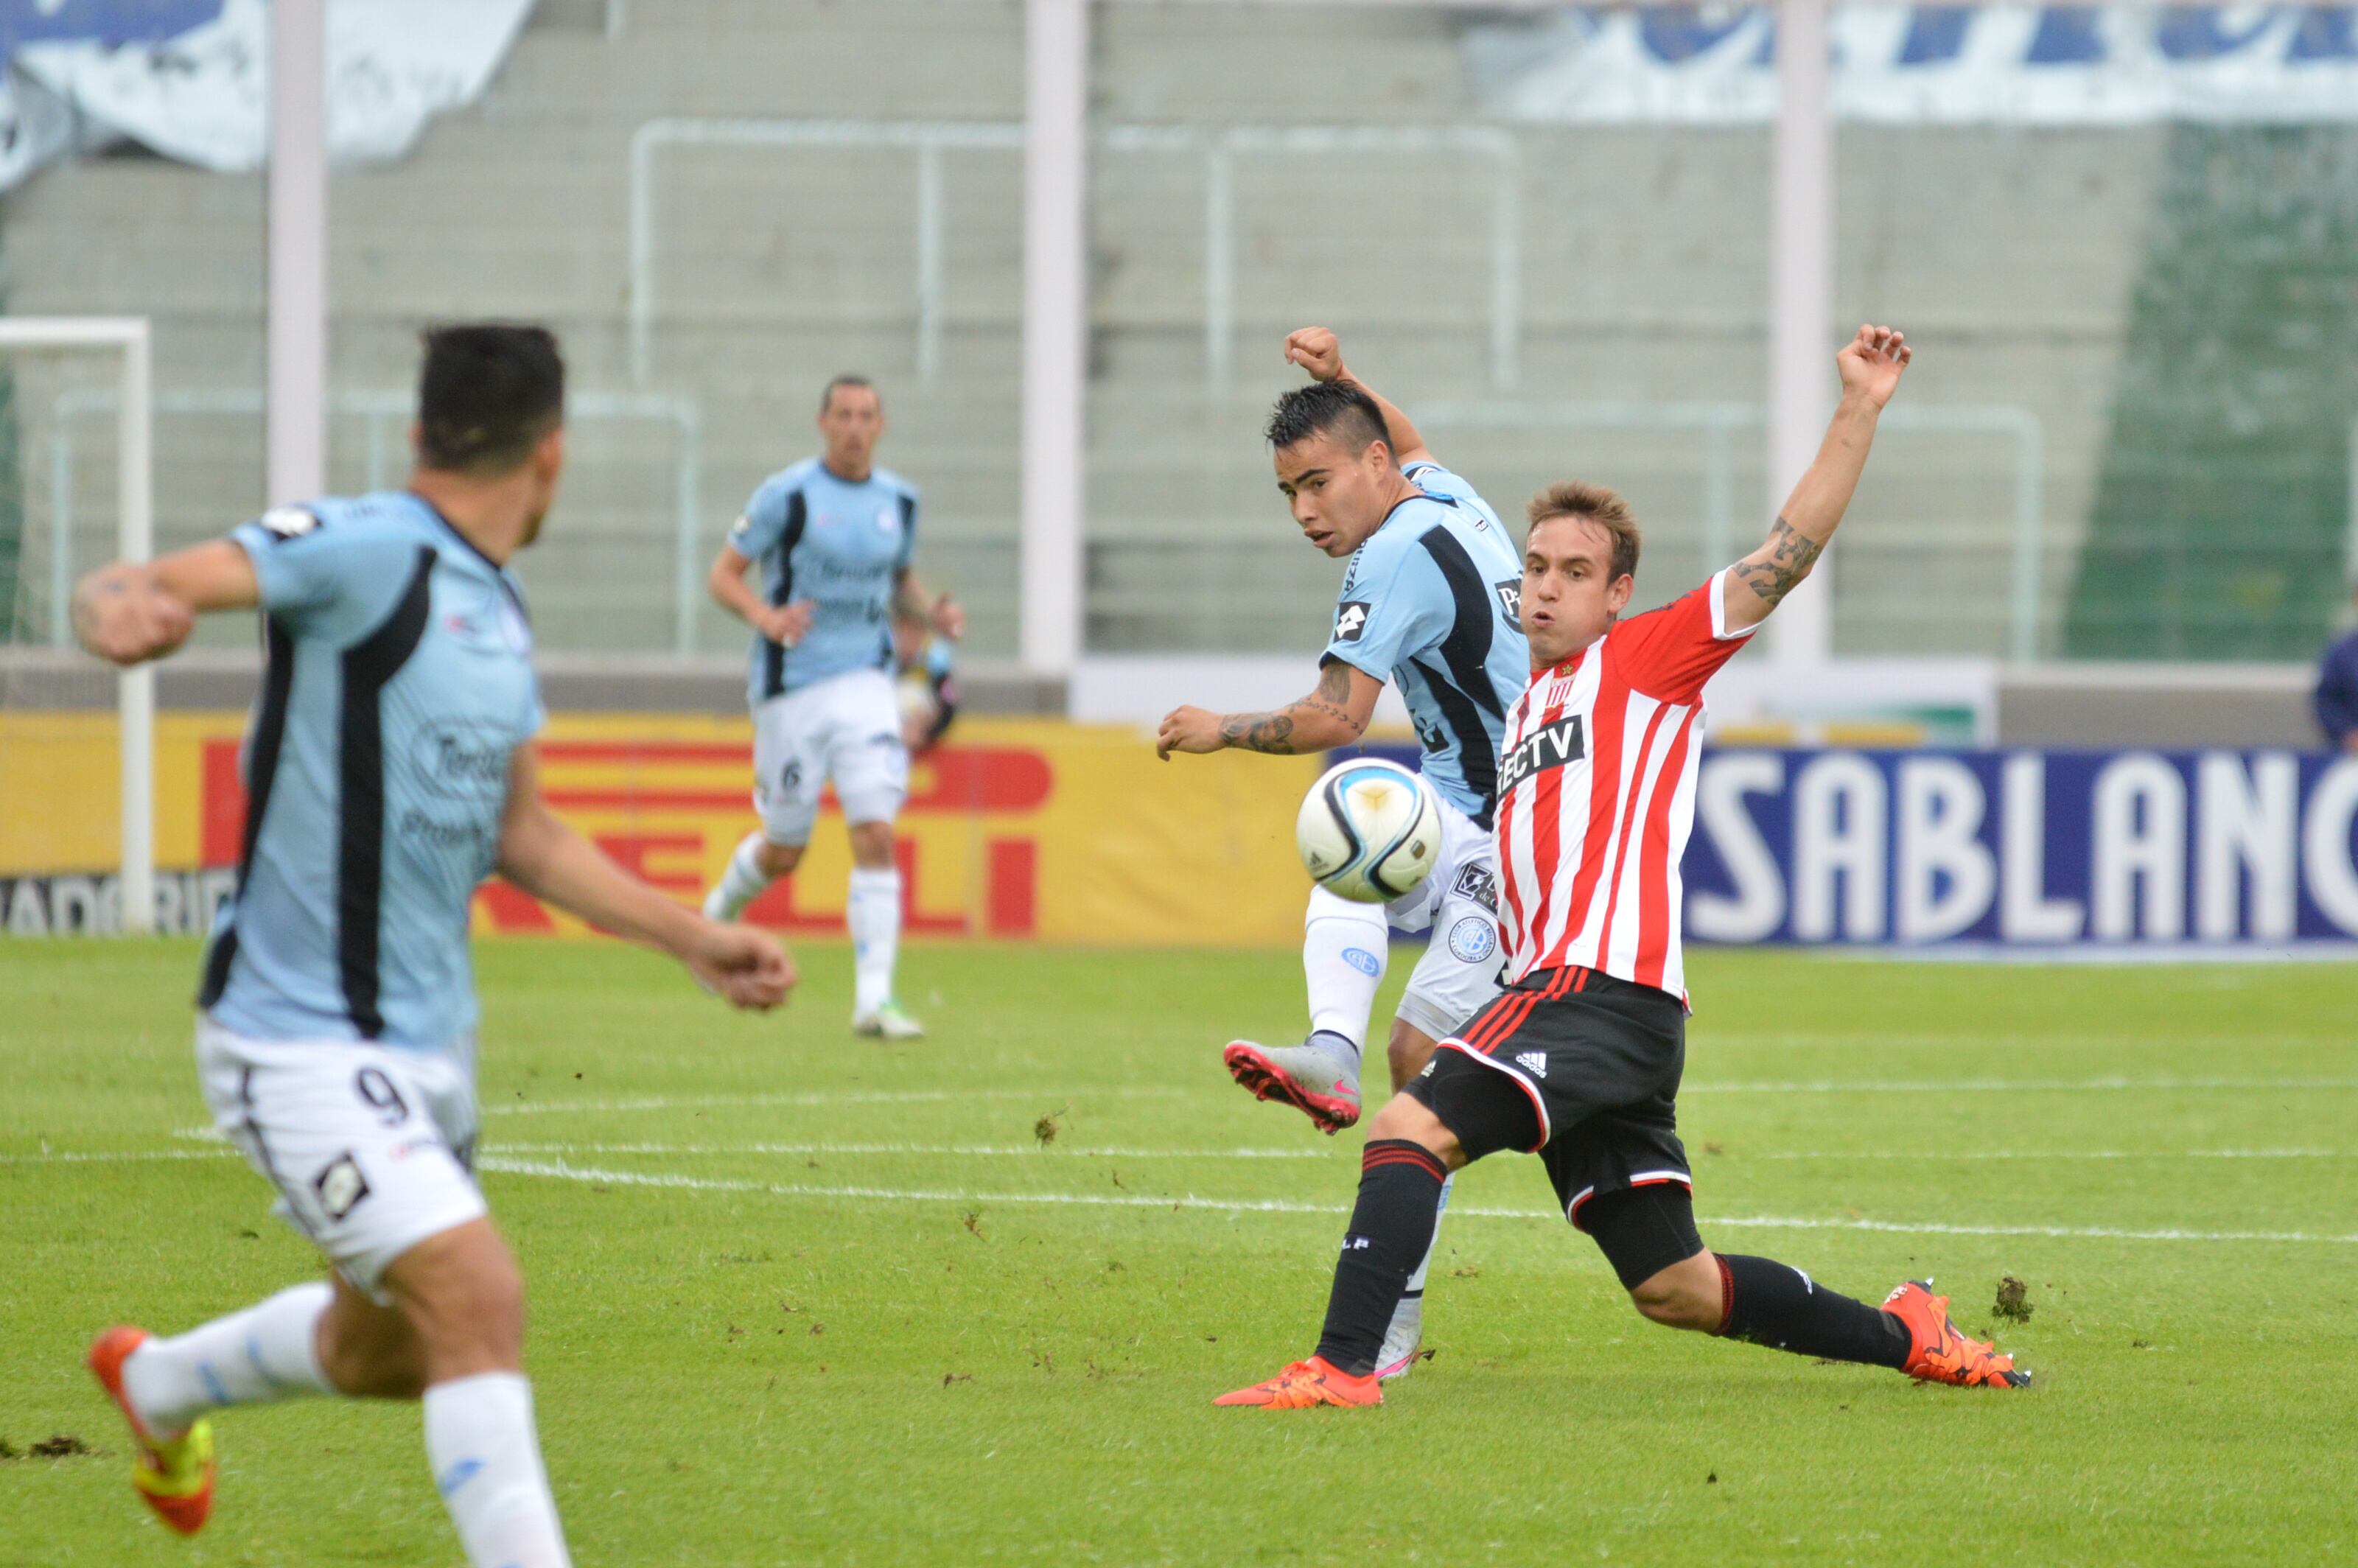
(1596, 784)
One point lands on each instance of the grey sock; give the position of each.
(1337, 1049)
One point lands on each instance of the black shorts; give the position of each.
(1598, 1062)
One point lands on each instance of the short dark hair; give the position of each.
(488, 393)
(1604, 507)
(1339, 410)
(827, 398)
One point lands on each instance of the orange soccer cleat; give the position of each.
(1941, 1353)
(1316, 1381)
(173, 1475)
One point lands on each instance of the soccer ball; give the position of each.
(1370, 830)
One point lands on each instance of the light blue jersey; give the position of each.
(842, 546)
(397, 683)
(1432, 603)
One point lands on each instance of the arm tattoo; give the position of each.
(1271, 733)
(1274, 733)
(1790, 554)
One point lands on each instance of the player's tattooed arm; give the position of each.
(1773, 569)
(1336, 714)
(1871, 366)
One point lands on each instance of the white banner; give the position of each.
(1937, 65)
(201, 95)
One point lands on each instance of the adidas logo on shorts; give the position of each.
(1532, 1062)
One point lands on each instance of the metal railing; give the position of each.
(381, 413)
(928, 140)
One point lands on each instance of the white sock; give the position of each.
(485, 1452)
(1343, 949)
(874, 916)
(267, 1353)
(743, 879)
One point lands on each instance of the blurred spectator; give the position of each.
(2337, 689)
(928, 688)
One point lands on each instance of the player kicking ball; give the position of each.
(1579, 1060)
(389, 769)
(1428, 603)
(833, 536)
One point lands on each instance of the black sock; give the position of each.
(1400, 1192)
(1778, 1305)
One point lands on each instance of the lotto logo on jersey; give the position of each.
(1510, 600)
(1349, 621)
(1565, 741)
(289, 522)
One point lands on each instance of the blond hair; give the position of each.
(1606, 508)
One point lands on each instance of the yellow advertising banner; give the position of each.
(1014, 829)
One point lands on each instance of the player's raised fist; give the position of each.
(1315, 350)
(124, 617)
(1872, 364)
(747, 966)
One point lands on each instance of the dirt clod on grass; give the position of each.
(63, 1446)
(2013, 1300)
(1047, 1127)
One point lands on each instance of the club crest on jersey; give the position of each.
(1565, 741)
(1473, 939)
(1510, 600)
(1351, 619)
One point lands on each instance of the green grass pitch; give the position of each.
(800, 1299)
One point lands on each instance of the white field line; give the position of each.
(1708, 1038)
(2063, 1154)
(221, 1147)
(1027, 1151)
(2005, 1086)
(1769, 1086)
(1034, 1151)
(560, 1170)
(823, 1097)
(112, 1156)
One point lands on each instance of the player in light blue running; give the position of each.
(833, 536)
(1428, 603)
(389, 769)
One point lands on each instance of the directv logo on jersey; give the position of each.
(1565, 741)
(1349, 621)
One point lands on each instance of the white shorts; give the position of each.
(371, 1147)
(1460, 972)
(845, 730)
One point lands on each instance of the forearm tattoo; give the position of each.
(1271, 733)
(1274, 733)
(1790, 554)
